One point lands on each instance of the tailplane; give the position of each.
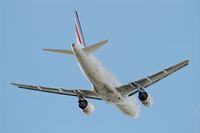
(87, 50)
(94, 47)
(79, 41)
(60, 51)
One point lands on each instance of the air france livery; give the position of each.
(104, 86)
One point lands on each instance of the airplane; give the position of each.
(104, 86)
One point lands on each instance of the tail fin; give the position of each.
(79, 34)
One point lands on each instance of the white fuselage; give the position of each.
(104, 83)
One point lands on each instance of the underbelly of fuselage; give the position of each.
(104, 84)
(108, 93)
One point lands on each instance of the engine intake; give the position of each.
(86, 107)
(145, 99)
(82, 103)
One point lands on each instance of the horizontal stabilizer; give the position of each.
(61, 51)
(87, 50)
(93, 47)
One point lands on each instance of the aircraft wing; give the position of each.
(133, 87)
(70, 92)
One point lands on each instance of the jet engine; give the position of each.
(145, 99)
(86, 107)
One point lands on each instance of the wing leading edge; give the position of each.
(70, 92)
(133, 87)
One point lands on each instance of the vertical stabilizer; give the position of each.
(79, 34)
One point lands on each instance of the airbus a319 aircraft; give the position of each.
(104, 86)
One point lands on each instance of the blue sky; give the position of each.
(144, 37)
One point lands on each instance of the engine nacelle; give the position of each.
(89, 109)
(148, 102)
(146, 99)
(86, 107)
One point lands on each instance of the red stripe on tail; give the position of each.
(78, 34)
